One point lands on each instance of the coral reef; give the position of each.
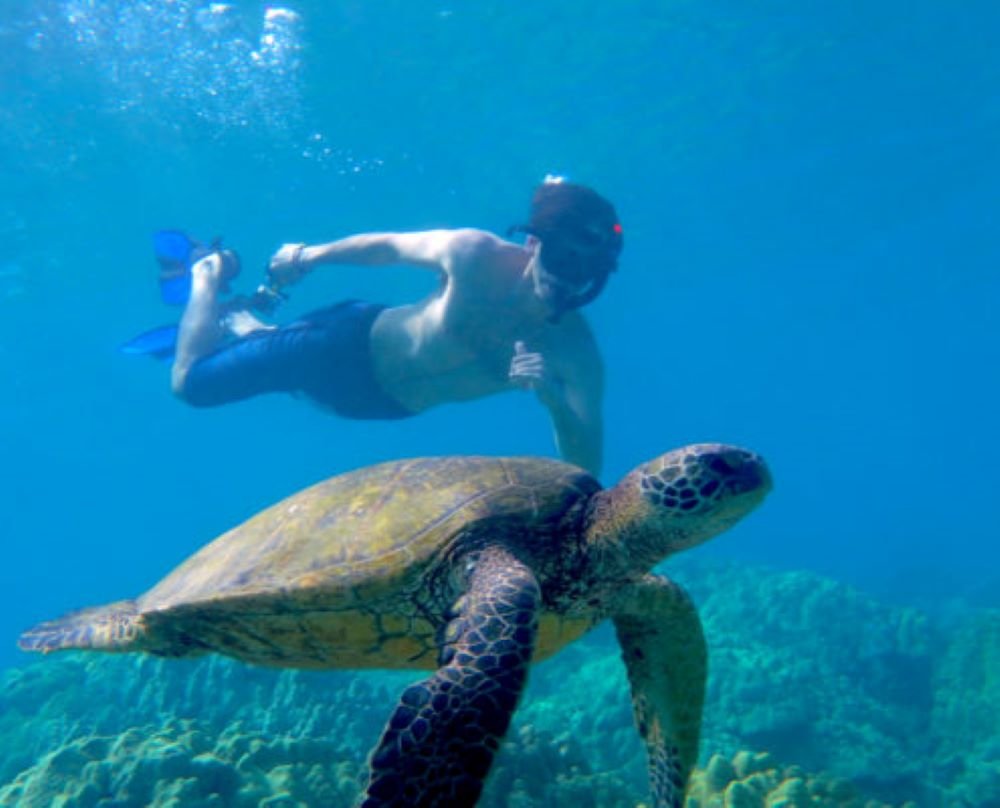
(752, 780)
(819, 674)
(179, 766)
(966, 713)
(888, 702)
(51, 702)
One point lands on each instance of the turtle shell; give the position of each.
(338, 574)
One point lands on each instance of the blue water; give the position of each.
(811, 266)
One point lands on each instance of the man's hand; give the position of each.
(527, 370)
(286, 266)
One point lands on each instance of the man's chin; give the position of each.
(556, 305)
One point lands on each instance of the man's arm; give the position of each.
(579, 429)
(568, 378)
(435, 249)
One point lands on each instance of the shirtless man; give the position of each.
(505, 316)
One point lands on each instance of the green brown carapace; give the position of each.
(471, 567)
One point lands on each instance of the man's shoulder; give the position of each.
(474, 250)
(472, 240)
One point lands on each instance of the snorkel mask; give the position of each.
(582, 261)
(580, 238)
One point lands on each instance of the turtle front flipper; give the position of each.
(665, 655)
(438, 745)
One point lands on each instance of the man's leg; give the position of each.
(324, 354)
(200, 330)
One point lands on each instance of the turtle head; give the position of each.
(678, 500)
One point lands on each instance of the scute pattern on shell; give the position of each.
(368, 527)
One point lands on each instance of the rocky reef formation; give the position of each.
(965, 717)
(181, 766)
(820, 675)
(817, 677)
(758, 781)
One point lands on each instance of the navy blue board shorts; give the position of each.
(325, 355)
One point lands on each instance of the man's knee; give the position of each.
(187, 389)
(178, 381)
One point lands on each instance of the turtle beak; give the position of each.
(739, 470)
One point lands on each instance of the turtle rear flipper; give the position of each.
(666, 659)
(440, 740)
(114, 627)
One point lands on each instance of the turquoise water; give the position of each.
(811, 269)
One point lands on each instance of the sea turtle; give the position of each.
(469, 566)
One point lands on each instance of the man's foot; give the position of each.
(230, 264)
(219, 268)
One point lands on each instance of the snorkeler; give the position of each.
(506, 315)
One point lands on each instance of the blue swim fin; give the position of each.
(173, 251)
(159, 342)
(176, 252)
(173, 246)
